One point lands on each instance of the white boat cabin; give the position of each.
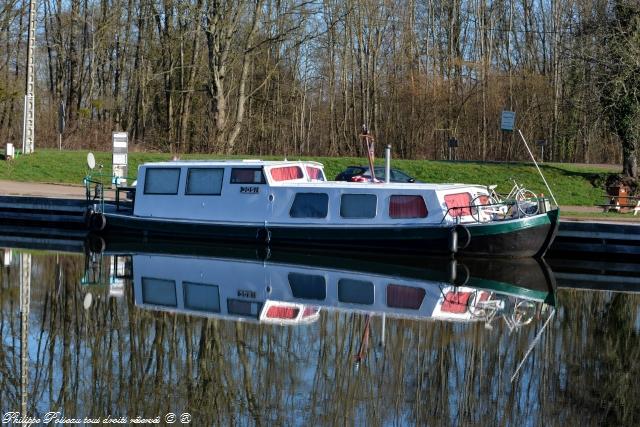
(292, 193)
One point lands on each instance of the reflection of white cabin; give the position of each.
(253, 290)
(207, 288)
(290, 293)
(456, 303)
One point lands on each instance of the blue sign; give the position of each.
(508, 121)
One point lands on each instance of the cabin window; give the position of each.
(315, 173)
(407, 207)
(399, 296)
(204, 181)
(355, 291)
(308, 286)
(244, 308)
(310, 205)
(286, 173)
(201, 297)
(459, 204)
(159, 292)
(358, 205)
(161, 181)
(247, 176)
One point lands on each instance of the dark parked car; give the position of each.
(363, 174)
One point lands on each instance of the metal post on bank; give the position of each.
(28, 129)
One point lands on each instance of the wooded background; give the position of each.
(292, 77)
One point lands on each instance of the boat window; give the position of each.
(355, 291)
(407, 207)
(315, 173)
(458, 204)
(286, 173)
(308, 286)
(455, 302)
(159, 292)
(400, 296)
(310, 205)
(247, 176)
(244, 308)
(161, 180)
(282, 312)
(358, 205)
(204, 181)
(201, 297)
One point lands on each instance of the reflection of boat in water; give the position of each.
(291, 288)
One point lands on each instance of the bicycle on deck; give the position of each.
(518, 202)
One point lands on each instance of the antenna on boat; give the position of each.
(369, 145)
(538, 167)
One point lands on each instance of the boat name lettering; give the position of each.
(246, 294)
(250, 189)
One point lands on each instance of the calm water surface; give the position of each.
(227, 338)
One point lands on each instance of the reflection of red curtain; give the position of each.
(461, 201)
(455, 302)
(405, 296)
(310, 311)
(314, 173)
(282, 312)
(286, 173)
(407, 207)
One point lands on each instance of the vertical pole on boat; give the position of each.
(387, 164)
(537, 167)
(369, 147)
(384, 329)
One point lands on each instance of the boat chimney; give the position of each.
(387, 164)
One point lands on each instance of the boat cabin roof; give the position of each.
(233, 163)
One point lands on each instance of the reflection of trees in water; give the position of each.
(118, 360)
(602, 372)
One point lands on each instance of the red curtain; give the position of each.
(407, 207)
(460, 201)
(455, 302)
(314, 173)
(405, 296)
(275, 312)
(286, 173)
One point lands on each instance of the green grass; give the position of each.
(625, 216)
(571, 184)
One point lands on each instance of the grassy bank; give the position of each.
(571, 184)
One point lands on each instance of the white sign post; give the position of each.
(120, 154)
(508, 121)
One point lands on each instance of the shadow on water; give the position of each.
(248, 336)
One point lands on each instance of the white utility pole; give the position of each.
(28, 130)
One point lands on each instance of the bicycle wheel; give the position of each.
(481, 306)
(523, 313)
(482, 207)
(527, 202)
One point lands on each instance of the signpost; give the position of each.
(120, 154)
(60, 124)
(541, 143)
(452, 144)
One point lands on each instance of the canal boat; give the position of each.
(291, 204)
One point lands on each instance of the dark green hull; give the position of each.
(525, 237)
